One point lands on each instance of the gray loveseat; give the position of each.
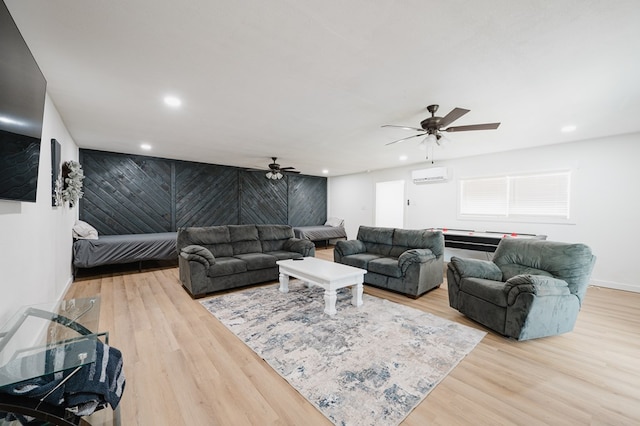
(403, 260)
(531, 289)
(218, 258)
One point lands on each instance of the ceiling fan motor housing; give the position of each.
(431, 124)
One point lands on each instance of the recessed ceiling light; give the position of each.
(403, 158)
(567, 129)
(145, 146)
(172, 101)
(325, 171)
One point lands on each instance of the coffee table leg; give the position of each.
(330, 302)
(356, 294)
(284, 283)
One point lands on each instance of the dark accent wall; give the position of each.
(133, 194)
(262, 200)
(206, 194)
(305, 197)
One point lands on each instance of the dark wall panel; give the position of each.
(126, 194)
(206, 194)
(262, 200)
(307, 200)
(131, 194)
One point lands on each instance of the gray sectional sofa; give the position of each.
(407, 261)
(218, 258)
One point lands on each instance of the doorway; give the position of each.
(390, 204)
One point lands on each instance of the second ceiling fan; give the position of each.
(275, 171)
(433, 126)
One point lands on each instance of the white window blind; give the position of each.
(536, 195)
(488, 196)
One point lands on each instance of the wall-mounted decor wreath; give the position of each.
(72, 176)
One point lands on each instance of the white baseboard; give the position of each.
(65, 289)
(617, 286)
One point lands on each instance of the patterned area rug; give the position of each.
(363, 366)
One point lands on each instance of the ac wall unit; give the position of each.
(434, 174)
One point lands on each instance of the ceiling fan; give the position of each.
(433, 126)
(276, 172)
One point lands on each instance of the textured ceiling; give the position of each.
(311, 82)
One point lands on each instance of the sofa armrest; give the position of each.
(540, 285)
(476, 268)
(414, 256)
(305, 247)
(346, 248)
(198, 254)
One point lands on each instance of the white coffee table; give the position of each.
(328, 275)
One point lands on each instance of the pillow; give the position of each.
(84, 231)
(334, 221)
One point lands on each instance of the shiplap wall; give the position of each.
(133, 194)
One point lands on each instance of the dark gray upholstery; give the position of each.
(531, 289)
(409, 261)
(218, 258)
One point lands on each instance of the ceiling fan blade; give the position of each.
(453, 115)
(287, 168)
(403, 127)
(404, 139)
(487, 126)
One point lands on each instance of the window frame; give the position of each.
(510, 177)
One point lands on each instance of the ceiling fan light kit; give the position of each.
(274, 176)
(433, 126)
(276, 172)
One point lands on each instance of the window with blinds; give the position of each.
(544, 195)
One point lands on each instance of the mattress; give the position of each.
(319, 233)
(112, 249)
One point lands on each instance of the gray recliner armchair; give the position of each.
(531, 289)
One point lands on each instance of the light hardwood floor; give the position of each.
(183, 367)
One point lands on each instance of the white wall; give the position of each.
(35, 247)
(605, 199)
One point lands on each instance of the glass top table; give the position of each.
(40, 340)
(47, 338)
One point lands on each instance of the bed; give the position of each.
(329, 231)
(114, 249)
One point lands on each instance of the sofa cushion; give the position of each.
(256, 261)
(220, 250)
(360, 260)
(405, 239)
(487, 290)
(370, 234)
(243, 233)
(226, 266)
(245, 247)
(375, 248)
(272, 245)
(274, 232)
(385, 266)
(376, 240)
(282, 254)
(203, 236)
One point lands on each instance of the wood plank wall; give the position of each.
(135, 194)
